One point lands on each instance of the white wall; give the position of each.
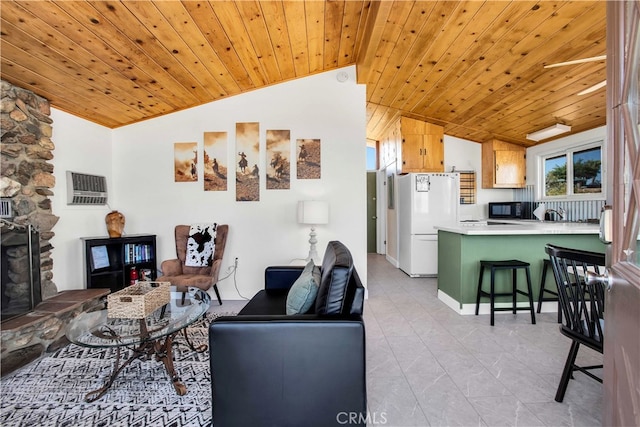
(80, 146)
(261, 233)
(467, 155)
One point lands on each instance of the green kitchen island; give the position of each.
(462, 246)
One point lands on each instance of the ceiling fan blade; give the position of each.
(577, 61)
(593, 88)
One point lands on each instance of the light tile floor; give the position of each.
(429, 366)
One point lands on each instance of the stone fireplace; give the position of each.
(26, 183)
(20, 268)
(27, 176)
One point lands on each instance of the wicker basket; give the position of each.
(138, 301)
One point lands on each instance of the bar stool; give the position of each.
(514, 265)
(543, 289)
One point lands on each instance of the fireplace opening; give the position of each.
(20, 269)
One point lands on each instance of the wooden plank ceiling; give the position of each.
(474, 67)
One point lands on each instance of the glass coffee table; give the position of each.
(151, 336)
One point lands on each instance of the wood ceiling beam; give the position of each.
(374, 29)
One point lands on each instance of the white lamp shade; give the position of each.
(313, 212)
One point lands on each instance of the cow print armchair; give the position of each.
(183, 276)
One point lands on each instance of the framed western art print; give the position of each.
(278, 159)
(309, 159)
(215, 161)
(185, 161)
(247, 170)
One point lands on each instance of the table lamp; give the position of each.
(313, 212)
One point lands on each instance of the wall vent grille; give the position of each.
(5, 208)
(84, 189)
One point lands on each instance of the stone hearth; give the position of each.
(27, 337)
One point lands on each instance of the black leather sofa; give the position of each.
(273, 369)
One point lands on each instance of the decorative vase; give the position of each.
(115, 223)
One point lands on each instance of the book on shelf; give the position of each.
(136, 253)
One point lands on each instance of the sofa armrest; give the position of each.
(171, 267)
(287, 370)
(281, 277)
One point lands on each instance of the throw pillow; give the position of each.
(303, 293)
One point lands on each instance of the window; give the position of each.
(576, 173)
(371, 158)
(555, 176)
(587, 171)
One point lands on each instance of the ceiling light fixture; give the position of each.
(593, 88)
(577, 61)
(549, 132)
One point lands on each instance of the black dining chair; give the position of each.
(582, 304)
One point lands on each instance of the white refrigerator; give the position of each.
(425, 200)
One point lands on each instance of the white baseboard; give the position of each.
(470, 309)
(393, 261)
(449, 302)
(547, 307)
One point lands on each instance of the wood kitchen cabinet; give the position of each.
(414, 146)
(503, 165)
(389, 147)
(422, 146)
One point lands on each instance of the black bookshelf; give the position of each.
(108, 261)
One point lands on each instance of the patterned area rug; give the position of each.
(51, 390)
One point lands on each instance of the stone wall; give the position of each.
(27, 180)
(26, 174)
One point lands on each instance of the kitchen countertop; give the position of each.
(502, 227)
(461, 248)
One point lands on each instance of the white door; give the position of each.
(622, 310)
(381, 212)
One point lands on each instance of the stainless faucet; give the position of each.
(560, 212)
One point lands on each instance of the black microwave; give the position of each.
(505, 210)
